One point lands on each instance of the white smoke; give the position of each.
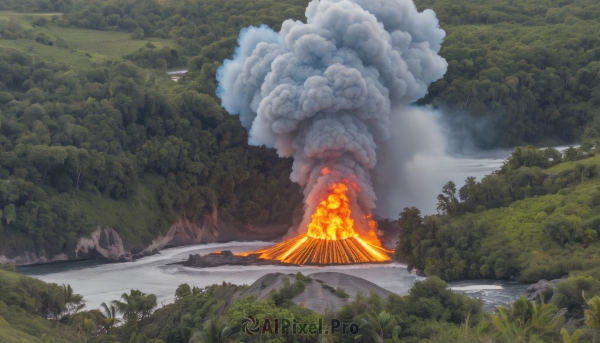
(322, 91)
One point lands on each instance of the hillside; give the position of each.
(518, 71)
(24, 303)
(549, 228)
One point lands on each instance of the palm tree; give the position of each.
(574, 338)
(110, 319)
(526, 321)
(146, 305)
(127, 307)
(135, 305)
(592, 315)
(85, 323)
(215, 331)
(380, 326)
(73, 303)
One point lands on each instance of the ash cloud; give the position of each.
(323, 91)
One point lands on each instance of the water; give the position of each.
(99, 281)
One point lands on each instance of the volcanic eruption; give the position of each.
(323, 92)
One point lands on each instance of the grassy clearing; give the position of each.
(84, 46)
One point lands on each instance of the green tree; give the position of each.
(110, 317)
(215, 331)
(592, 316)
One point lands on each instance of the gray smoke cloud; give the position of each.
(322, 91)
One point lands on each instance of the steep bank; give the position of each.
(106, 242)
(121, 230)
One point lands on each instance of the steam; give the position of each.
(323, 91)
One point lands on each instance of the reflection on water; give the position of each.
(99, 281)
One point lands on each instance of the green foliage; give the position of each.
(570, 294)
(25, 305)
(340, 292)
(112, 133)
(524, 69)
(135, 306)
(592, 315)
(526, 321)
(285, 293)
(195, 26)
(524, 234)
(214, 331)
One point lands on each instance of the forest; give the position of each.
(114, 130)
(518, 71)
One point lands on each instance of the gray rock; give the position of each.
(317, 295)
(542, 288)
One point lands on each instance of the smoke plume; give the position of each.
(323, 91)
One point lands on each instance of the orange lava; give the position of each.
(331, 238)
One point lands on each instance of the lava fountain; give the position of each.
(331, 238)
(322, 92)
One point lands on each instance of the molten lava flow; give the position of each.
(331, 238)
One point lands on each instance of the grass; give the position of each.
(17, 325)
(84, 46)
(8, 334)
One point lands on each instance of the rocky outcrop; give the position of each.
(227, 258)
(542, 289)
(31, 258)
(317, 294)
(107, 243)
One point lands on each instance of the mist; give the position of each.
(422, 154)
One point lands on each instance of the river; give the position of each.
(99, 281)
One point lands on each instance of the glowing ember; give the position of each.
(331, 238)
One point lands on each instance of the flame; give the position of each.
(332, 218)
(331, 237)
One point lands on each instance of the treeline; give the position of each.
(518, 71)
(36, 5)
(194, 25)
(100, 131)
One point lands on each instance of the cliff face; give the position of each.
(107, 243)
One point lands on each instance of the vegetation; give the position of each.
(31, 309)
(519, 71)
(541, 222)
(551, 90)
(110, 134)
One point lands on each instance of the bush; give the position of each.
(40, 21)
(568, 294)
(138, 34)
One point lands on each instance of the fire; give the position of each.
(332, 219)
(331, 237)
